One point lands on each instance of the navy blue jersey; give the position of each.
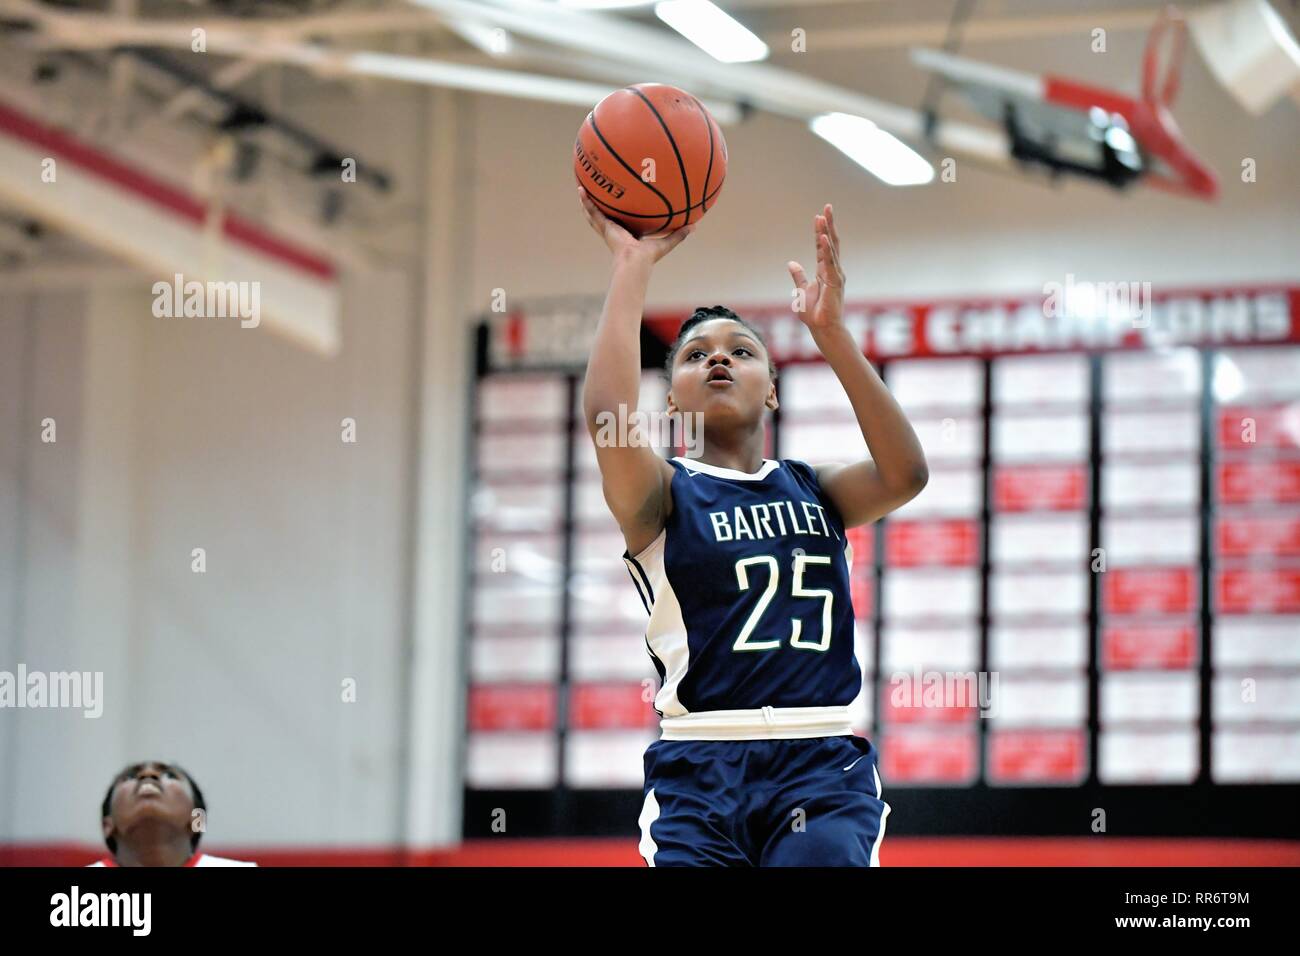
(748, 592)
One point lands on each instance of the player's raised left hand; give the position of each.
(823, 296)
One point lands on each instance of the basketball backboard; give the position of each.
(1070, 126)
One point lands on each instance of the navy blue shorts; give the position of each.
(813, 801)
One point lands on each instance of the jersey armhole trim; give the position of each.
(649, 548)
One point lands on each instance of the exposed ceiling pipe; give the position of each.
(319, 156)
(191, 97)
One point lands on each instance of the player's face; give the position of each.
(722, 371)
(150, 792)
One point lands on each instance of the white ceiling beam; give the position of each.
(60, 276)
(926, 33)
(401, 19)
(548, 57)
(774, 89)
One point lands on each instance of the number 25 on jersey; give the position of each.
(801, 562)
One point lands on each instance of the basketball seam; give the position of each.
(681, 166)
(708, 125)
(591, 118)
(652, 215)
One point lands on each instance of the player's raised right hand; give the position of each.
(622, 242)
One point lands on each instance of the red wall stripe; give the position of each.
(895, 851)
(166, 197)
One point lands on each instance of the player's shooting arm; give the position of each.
(896, 472)
(634, 478)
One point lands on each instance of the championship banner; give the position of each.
(1068, 316)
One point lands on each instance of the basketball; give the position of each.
(651, 157)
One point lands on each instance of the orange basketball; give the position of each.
(651, 157)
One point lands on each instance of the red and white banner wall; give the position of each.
(1109, 542)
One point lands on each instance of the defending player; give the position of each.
(743, 564)
(149, 819)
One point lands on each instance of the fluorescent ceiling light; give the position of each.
(879, 153)
(712, 30)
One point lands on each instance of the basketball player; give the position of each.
(743, 564)
(149, 816)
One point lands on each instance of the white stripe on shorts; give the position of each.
(649, 814)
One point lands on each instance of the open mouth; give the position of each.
(148, 788)
(719, 374)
